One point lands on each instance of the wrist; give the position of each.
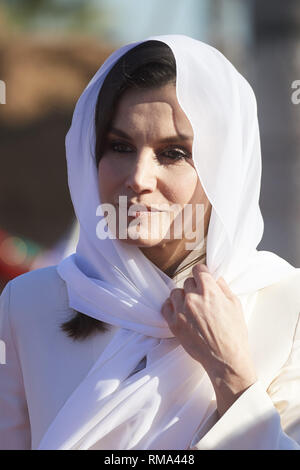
(230, 386)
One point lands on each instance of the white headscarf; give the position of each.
(162, 405)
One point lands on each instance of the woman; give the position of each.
(144, 339)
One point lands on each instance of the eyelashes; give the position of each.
(171, 153)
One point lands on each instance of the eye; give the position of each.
(176, 153)
(120, 147)
(169, 155)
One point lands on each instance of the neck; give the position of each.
(168, 256)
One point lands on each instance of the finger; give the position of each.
(202, 267)
(201, 274)
(205, 281)
(225, 288)
(190, 285)
(167, 309)
(177, 297)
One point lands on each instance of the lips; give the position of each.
(139, 207)
(143, 208)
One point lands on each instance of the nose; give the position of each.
(142, 173)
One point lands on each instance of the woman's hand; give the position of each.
(208, 320)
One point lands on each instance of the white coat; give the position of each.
(43, 367)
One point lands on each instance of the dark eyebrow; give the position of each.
(166, 140)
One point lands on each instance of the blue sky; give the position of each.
(132, 20)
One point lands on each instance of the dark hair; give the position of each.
(151, 64)
(148, 65)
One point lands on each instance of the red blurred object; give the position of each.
(16, 255)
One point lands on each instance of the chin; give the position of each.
(142, 242)
(142, 236)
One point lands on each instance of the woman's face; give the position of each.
(148, 159)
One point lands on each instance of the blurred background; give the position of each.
(50, 49)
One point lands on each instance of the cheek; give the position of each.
(107, 179)
(183, 186)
